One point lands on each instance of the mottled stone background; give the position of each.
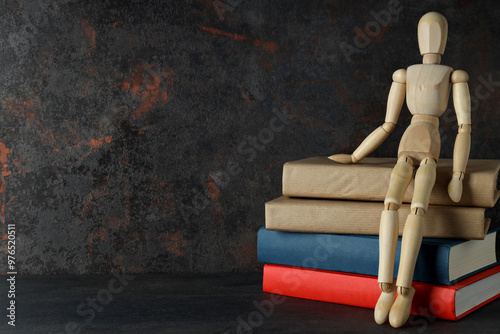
(146, 136)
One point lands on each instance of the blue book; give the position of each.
(440, 261)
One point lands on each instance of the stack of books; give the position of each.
(320, 239)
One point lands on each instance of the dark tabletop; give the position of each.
(222, 303)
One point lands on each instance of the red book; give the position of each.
(450, 302)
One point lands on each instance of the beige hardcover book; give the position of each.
(368, 180)
(352, 217)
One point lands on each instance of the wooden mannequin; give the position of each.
(427, 87)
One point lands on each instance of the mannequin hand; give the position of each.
(455, 188)
(343, 158)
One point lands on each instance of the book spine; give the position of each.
(368, 181)
(353, 290)
(346, 253)
(352, 217)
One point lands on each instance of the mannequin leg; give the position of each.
(412, 238)
(388, 236)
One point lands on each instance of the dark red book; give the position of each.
(450, 302)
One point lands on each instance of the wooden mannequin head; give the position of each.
(432, 35)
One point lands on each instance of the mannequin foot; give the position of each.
(400, 311)
(384, 303)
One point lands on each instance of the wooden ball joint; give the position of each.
(426, 87)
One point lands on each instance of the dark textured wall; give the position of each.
(146, 136)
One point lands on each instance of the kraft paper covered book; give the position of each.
(353, 217)
(368, 180)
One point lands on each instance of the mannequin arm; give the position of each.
(377, 137)
(461, 102)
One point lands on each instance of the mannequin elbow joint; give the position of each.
(464, 128)
(388, 127)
